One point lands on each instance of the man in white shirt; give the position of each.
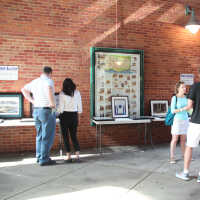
(43, 99)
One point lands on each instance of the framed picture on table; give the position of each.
(11, 105)
(159, 108)
(120, 106)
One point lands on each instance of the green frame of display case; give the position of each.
(20, 105)
(93, 50)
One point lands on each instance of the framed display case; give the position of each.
(116, 72)
(11, 105)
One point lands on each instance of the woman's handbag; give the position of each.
(170, 116)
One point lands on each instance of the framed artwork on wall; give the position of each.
(159, 108)
(120, 107)
(116, 72)
(11, 105)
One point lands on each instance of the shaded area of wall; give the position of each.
(60, 33)
(21, 139)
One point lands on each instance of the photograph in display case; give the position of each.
(120, 107)
(11, 105)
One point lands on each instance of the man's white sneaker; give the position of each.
(198, 179)
(183, 176)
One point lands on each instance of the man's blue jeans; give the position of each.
(45, 123)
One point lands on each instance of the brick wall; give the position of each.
(60, 33)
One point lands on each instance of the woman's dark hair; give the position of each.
(47, 70)
(69, 87)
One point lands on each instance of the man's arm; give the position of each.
(27, 95)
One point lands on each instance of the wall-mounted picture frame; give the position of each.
(11, 105)
(116, 72)
(120, 106)
(159, 108)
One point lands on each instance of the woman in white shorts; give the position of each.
(181, 121)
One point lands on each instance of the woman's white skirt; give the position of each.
(179, 127)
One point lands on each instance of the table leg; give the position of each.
(98, 138)
(148, 133)
(145, 133)
(140, 131)
(60, 141)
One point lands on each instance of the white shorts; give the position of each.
(179, 127)
(193, 135)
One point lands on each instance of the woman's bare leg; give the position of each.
(173, 146)
(182, 143)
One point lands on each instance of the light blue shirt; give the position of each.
(177, 104)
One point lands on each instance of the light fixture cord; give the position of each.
(116, 24)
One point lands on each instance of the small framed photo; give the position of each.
(11, 105)
(159, 108)
(119, 106)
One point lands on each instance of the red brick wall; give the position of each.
(60, 33)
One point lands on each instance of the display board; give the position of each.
(116, 72)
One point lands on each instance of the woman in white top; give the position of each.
(70, 108)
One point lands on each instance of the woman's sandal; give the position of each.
(77, 160)
(172, 161)
(68, 161)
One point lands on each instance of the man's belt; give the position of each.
(42, 108)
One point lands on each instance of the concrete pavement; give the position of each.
(120, 173)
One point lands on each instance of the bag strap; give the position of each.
(176, 102)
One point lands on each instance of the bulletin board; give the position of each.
(116, 72)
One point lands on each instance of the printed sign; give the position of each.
(188, 79)
(8, 72)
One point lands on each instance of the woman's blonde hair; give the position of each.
(177, 86)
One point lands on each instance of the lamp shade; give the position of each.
(193, 26)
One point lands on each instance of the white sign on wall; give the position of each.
(188, 79)
(8, 72)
